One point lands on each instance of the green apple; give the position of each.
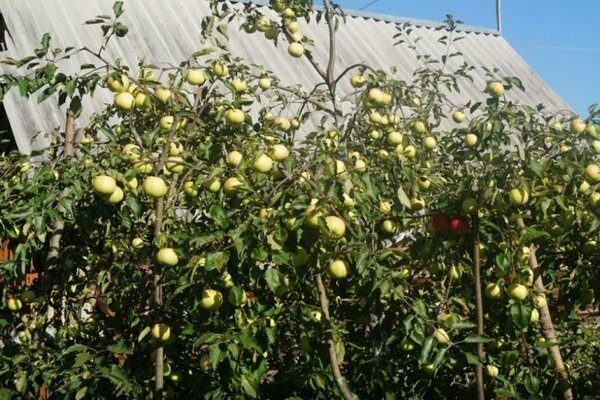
(429, 368)
(394, 138)
(235, 116)
(594, 198)
(491, 371)
(470, 206)
(195, 77)
(592, 173)
(388, 227)
(441, 336)
(190, 189)
(28, 296)
(518, 196)
(231, 185)
(205, 363)
(161, 332)
(348, 202)
(163, 94)
(137, 243)
(338, 269)
(104, 185)
(167, 257)
(234, 300)
(155, 187)
(262, 163)
(407, 345)
(124, 101)
(471, 140)
(584, 187)
(495, 88)
(518, 292)
(493, 291)
(211, 299)
(14, 304)
(458, 116)
(234, 158)
(535, 315)
(417, 204)
(296, 49)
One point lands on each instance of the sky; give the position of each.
(559, 39)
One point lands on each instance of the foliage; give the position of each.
(85, 325)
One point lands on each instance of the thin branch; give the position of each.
(158, 301)
(479, 306)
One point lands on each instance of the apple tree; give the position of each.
(215, 233)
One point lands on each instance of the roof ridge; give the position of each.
(394, 19)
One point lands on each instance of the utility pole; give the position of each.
(499, 15)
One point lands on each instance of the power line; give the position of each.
(369, 4)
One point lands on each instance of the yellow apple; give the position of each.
(262, 163)
(338, 269)
(429, 142)
(211, 299)
(419, 127)
(263, 23)
(491, 371)
(388, 227)
(143, 166)
(163, 94)
(279, 152)
(264, 83)
(471, 140)
(239, 85)
(115, 197)
(376, 96)
(235, 116)
(592, 173)
(394, 138)
(495, 88)
(220, 69)
(14, 304)
(195, 77)
(458, 116)
(577, 126)
(517, 292)
(234, 158)
(360, 166)
(155, 187)
(357, 80)
(417, 204)
(190, 188)
(142, 100)
(385, 207)
(132, 152)
(518, 196)
(493, 291)
(535, 315)
(540, 301)
(292, 26)
(296, 49)
(410, 151)
(282, 123)
(441, 336)
(336, 226)
(167, 256)
(232, 185)
(118, 83)
(424, 183)
(124, 101)
(161, 332)
(104, 185)
(175, 165)
(137, 243)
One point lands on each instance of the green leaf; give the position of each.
(426, 350)
(219, 214)
(6, 394)
(404, 200)
(208, 338)
(477, 339)
(143, 333)
(521, 315)
(249, 385)
(118, 8)
(472, 358)
(120, 348)
(273, 278)
(81, 393)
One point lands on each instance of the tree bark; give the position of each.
(479, 307)
(548, 326)
(333, 361)
(158, 300)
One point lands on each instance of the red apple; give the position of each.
(459, 225)
(441, 223)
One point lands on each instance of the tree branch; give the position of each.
(158, 301)
(548, 326)
(479, 306)
(333, 361)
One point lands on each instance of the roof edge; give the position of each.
(393, 19)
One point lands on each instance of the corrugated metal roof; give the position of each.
(168, 31)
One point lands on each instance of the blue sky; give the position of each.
(560, 39)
